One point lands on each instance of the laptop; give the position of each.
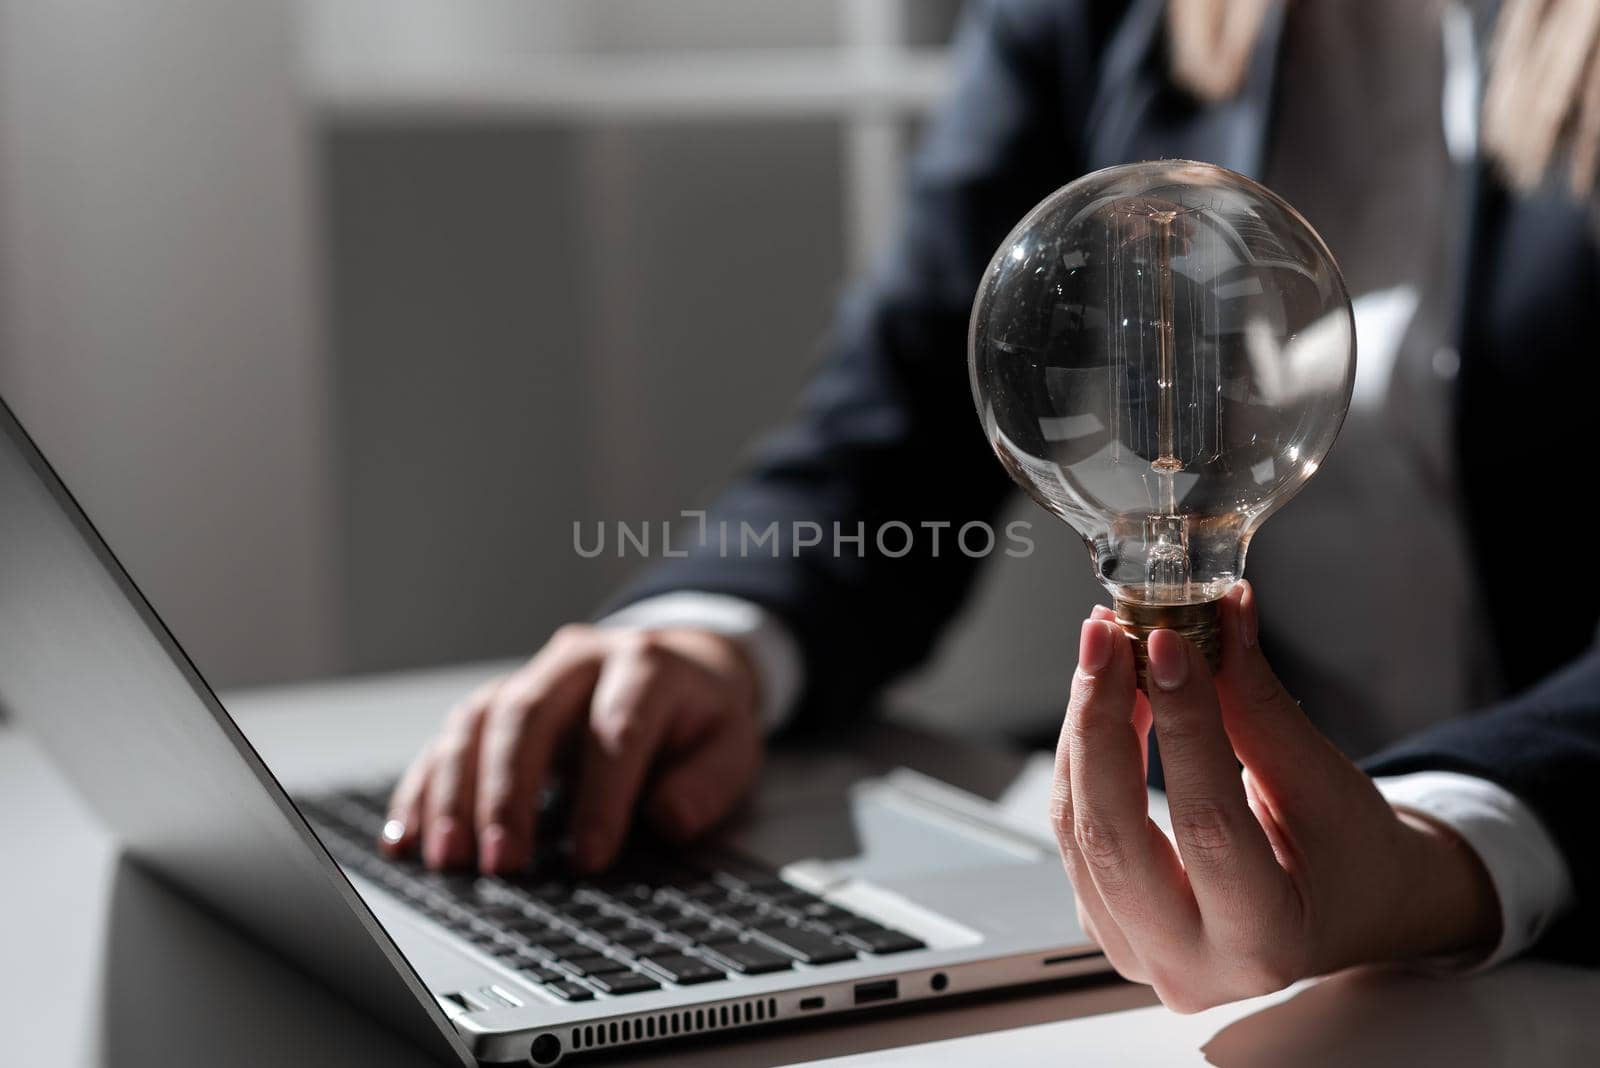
(903, 890)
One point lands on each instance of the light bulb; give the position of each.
(1162, 354)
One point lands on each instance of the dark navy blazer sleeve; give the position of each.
(1543, 746)
(887, 433)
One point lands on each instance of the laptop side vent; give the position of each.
(667, 1024)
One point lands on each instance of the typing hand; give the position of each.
(663, 718)
(1294, 867)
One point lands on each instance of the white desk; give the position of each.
(100, 964)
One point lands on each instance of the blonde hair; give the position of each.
(1541, 103)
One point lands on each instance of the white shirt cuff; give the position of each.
(1529, 874)
(768, 643)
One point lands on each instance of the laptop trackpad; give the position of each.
(883, 834)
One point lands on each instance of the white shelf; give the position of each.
(787, 83)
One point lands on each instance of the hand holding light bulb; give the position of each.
(1295, 867)
(1162, 354)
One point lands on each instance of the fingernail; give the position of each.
(393, 831)
(1100, 611)
(492, 848)
(1094, 646)
(1169, 662)
(1249, 623)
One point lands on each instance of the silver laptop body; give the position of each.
(89, 669)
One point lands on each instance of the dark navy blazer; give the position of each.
(1047, 91)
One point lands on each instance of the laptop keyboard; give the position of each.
(651, 922)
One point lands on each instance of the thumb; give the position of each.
(1270, 733)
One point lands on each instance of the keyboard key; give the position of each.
(539, 973)
(792, 898)
(741, 915)
(747, 958)
(593, 964)
(454, 885)
(542, 891)
(513, 954)
(840, 920)
(765, 884)
(703, 891)
(624, 983)
(609, 928)
(565, 948)
(634, 893)
(660, 911)
(579, 913)
(881, 940)
(686, 922)
(808, 947)
(567, 990)
(682, 968)
(537, 932)
(633, 937)
(702, 931)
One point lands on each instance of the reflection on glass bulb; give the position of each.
(1162, 354)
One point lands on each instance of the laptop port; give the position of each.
(879, 990)
(811, 1004)
(546, 1049)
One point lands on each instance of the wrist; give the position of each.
(1447, 902)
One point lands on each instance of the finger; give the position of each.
(706, 776)
(1232, 870)
(633, 699)
(1085, 920)
(528, 720)
(1269, 731)
(1128, 859)
(1096, 921)
(403, 827)
(1141, 708)
(1143, 720)
(447, 797)
(1097, 655)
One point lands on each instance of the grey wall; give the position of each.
(537, 326)
(158, 284)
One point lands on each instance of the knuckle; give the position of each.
(505, 728)
(641, 644)
(451, 750)
(620, 725)
(1206, 827)
(1183, 1000)
(1178, 991)
(1271, 969)
(1099, 840)
(1061, 807)
(1123, 966)
(569, 634)
(463, 720)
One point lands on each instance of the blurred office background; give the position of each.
(338, 314)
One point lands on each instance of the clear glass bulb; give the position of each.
(1161, 354)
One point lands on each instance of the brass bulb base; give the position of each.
(1197, 622)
